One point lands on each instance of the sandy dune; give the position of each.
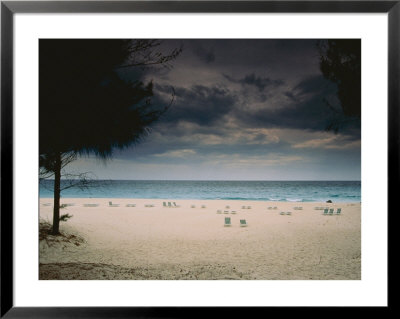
(145, 242)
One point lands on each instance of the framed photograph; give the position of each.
(158, 156)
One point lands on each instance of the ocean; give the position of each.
(284, 191)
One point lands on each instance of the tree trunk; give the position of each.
(57, 181)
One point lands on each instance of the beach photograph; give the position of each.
(199, 159)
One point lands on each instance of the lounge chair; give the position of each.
(203, 206)
(282, 213)
(243, 223)
(288, 213)
(193, 206)
(227, 221)
(233, 212)
(130, 205)
(326, 211)
(331, 211)
(227, 207)
(248, 207)
(112, 205)
(226, 211)
(164, 204)
(243, 207)
(90, 205)
(175, 205)
(339, 211)
(169, 204)
(219, 211)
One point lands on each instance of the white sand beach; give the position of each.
(142, 239)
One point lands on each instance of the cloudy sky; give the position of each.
(243, 110)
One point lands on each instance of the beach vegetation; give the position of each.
(65, 217)
(93, 99)
(340, 62)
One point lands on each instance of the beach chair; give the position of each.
(331, 211)
(203, 206)
(110, 204)
(248, 207)
(243, 207)
(288, 213)
(90, 205)
(169, 204)
(226, 211)
(175, 205)
(233, 212)
(275, 207)
(219, 211)
(193, 206)
(130, 205)
(326, 211)
(243, 223)
(227, 221)
(164, 204)
(282, 213)
(339, 211)
(227, 207)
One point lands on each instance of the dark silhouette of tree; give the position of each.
(87, 106)
(340, 62)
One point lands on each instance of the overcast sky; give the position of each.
(243, 110)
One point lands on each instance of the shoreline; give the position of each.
(150, 241)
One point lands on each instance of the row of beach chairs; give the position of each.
(228, 222)
(219, 211)
(173, 205)
(330, 211)
(327, 210)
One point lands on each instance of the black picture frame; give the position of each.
(9, 8)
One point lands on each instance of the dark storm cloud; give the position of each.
(306, 108)
(291, 96)
(303, 107)
(206, 55)
(315, 84)
(260, 82)
(199, 104)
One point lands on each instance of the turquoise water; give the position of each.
(285, 191)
